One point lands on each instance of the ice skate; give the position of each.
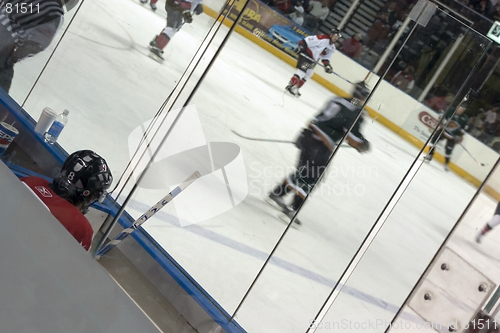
(287, 214)
(275, 201)
(156, 54)
(289, 88)
(154, 44)
(153, 6)
(428, 158)
(144, 1)
(479, 237)
(446, 167)
(293, 90)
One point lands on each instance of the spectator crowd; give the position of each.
(308, 13)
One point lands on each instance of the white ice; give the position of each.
(102, 73)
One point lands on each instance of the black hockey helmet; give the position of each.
(361, 91)
(84, 178)
(335, 31)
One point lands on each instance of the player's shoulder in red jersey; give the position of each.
(67, 214)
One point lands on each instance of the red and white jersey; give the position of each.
(69, 216)
(320, 47)
(189, 4)
(194, 3)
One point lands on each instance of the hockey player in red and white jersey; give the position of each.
(178, 13)
(84, 178)
(313, 49)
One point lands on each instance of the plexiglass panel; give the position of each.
(220, 229)
(310, 262)
(217, 105)
(460, 287)
(103, 74)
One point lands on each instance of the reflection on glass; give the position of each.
(101, 72)
(28, 29)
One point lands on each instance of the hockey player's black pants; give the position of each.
(312, 162)
(450, 143)
(174, 17)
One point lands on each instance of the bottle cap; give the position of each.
(66, 112)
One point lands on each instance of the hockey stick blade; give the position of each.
(144, 217)
(263, 140)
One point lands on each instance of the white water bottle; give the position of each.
(57, 126)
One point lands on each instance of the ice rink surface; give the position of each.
(101, 72)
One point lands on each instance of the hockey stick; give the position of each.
(144, 217)
(278, 141)
(481, 164)
(317, 63)
(264, 140)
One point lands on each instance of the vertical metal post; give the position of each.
(348, 14)
(391, 45)
(421, 13)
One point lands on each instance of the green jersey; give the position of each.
(457, 122)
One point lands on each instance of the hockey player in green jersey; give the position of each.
(456, 122)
